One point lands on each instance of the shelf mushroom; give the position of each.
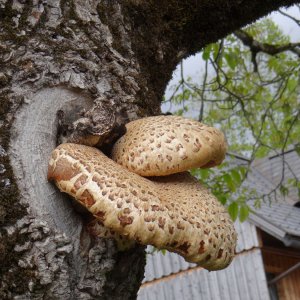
(172, 212)
(163, 145)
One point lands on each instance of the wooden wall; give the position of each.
(277, 261)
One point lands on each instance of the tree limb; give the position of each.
(178, 29)
(297, 21)
(256, 46)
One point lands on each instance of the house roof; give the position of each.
(276, 214)
(282, 215)
(271, 167)
(260, 182)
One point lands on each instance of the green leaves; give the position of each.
(257, 110)
(204, 174)
(244, 212)
(206, 52)
(232, 178)
(284, 190)
(236, 176)
(224, 183)
(231, 59)
(229, 182)
(233, 210)
(292, 84)
(222, 199)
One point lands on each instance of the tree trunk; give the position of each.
(62, 55)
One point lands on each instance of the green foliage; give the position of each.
(256, 104)
(224, 183)
(154, 250)
(244, 212)
(233, 210)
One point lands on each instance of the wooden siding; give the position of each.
(277, 261)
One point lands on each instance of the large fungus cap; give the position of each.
(163, 145)
(175, 213)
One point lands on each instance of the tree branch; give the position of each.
(256, 46)
(202, 93)
(176, 29)
(297, 21)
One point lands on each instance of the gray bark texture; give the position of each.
(70, 55)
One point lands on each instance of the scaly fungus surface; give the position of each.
(163, 145)
(174, 212)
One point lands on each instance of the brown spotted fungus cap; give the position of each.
(163, 145)
(175, 213)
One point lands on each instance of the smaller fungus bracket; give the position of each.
(163, 145)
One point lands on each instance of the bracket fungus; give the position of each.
(172, 212)
(163, 145)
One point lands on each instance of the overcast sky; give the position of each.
(192, 65)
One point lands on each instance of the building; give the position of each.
(267, 264)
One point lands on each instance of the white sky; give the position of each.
(193, 65)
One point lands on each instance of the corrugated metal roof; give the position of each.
(160, 265)
(264, 175)
(244, 279)
(256, 180)
(261, 185)
(277, 215)
(283, 215)
(247, 236)
(268, 227)
(271, 167)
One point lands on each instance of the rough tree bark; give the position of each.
(64, 54)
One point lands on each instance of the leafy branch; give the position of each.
(258, 111)
(256, 46)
